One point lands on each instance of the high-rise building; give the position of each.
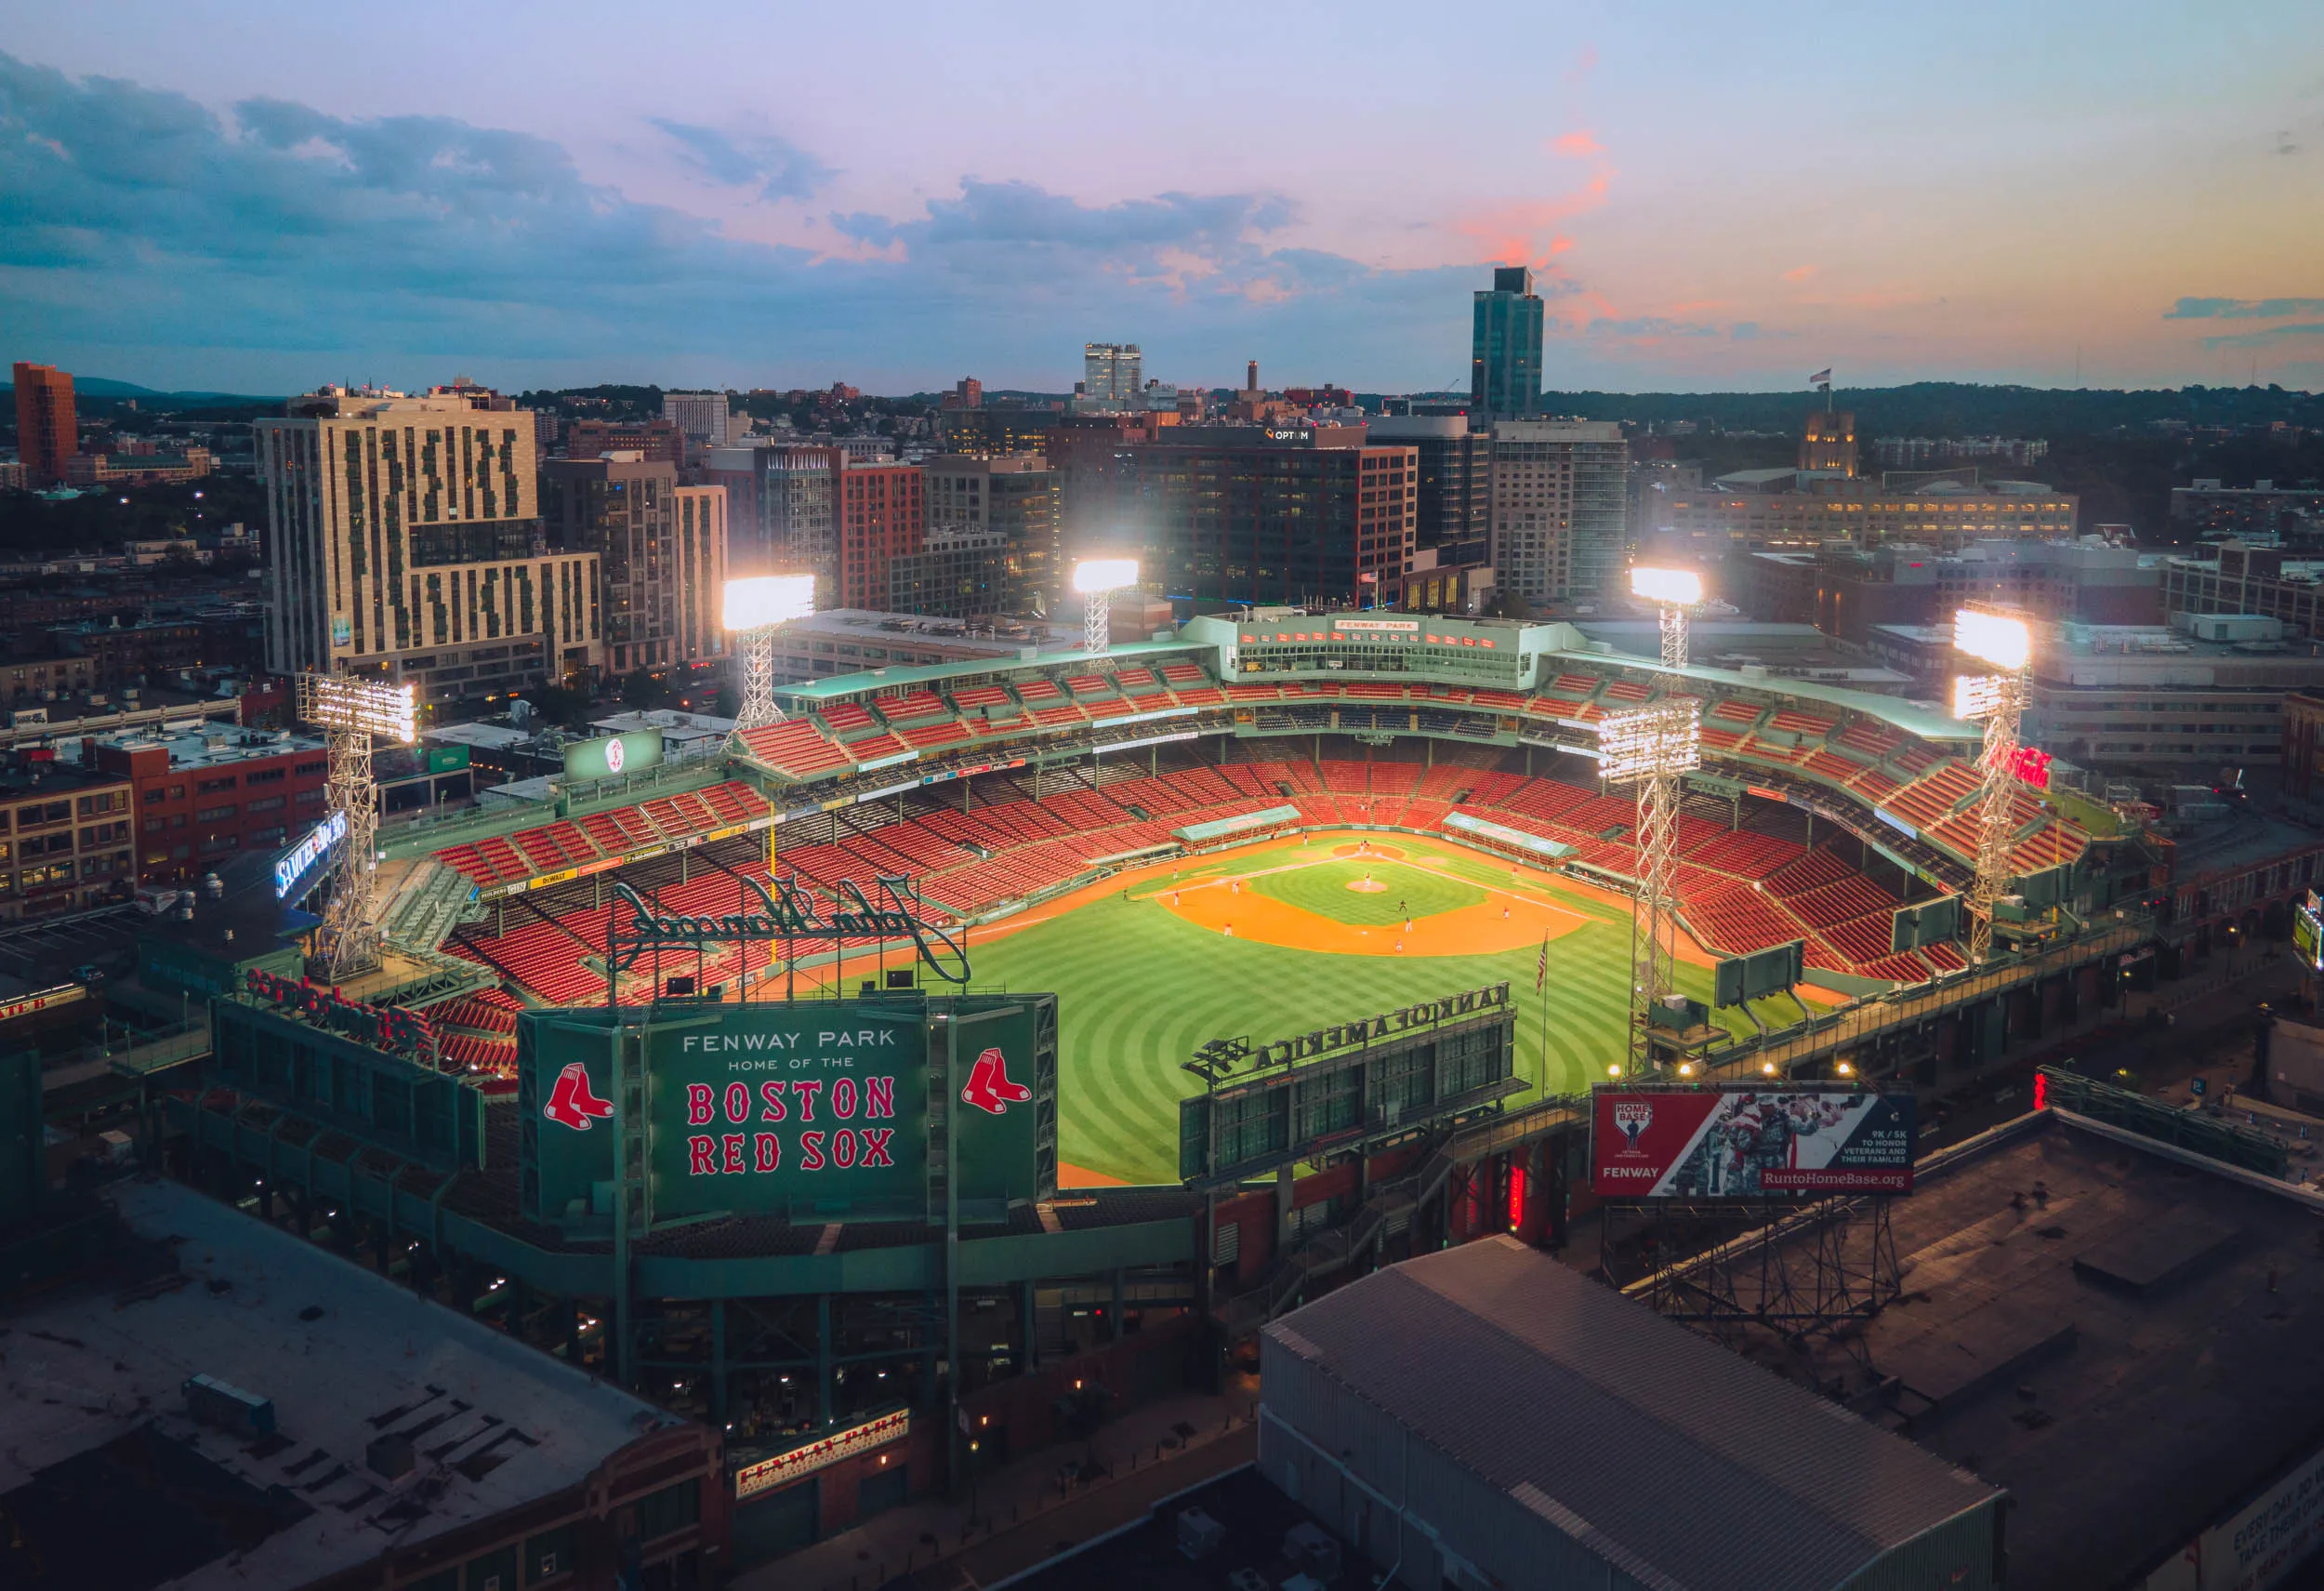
(1111, 376)
(880, 513)
(1828, 445)
(658, 439)
(779, 508)
(1243, 515)
(1455, 465)
(1505, 346)
(47, 432)
(956, 574)
(1560, 507)
(700, 416)
(404, 538)
(631, 515)
(1017, 497)
(702, 564)
(968, 394)
(1094, 458)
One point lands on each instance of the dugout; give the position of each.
(1486, 1416)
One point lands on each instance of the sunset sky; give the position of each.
(259, 198)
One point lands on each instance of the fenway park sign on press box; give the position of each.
(814, 1107)
(1796, 1141)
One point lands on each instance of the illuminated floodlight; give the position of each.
(1976, 695)
(370, 707)
(1682, 586)
(1095, 578)
(1666, 737)
(1995, 638)
(1092, 576)
(760, 601)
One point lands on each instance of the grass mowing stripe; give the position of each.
(1140, 988)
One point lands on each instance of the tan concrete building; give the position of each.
(1015, 496)
(404, 538)
(1560, 507)
(662, 551)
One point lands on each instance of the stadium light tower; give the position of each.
(349, 711)
(1677, 593)
(2003, 640)
(1097, 580)
(752, 609)
(1655, 746)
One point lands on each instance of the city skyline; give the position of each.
(2125, 195)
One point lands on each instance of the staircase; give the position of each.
(432, 901)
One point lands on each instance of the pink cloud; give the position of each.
(1799, 274)
(1577, 144)
(1513, 234)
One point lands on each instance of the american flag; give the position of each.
(1820, 377)
(1541, 967)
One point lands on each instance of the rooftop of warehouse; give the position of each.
(2108, 1327)
(94, 1405)
(1546, 1383)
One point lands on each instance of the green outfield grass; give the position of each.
(1138, 989)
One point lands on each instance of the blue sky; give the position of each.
(261, 197)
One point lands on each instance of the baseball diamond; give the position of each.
(1145, 973)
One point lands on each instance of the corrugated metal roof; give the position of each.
(1684, 1463)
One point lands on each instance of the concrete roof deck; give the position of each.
(2126, 1353)
(344, 1356)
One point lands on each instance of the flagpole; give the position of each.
(1541, 1057)
(1541, 993)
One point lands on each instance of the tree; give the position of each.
(560, 704)
(728, 703)
(641, 690)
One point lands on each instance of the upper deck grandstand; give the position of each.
(987, 785)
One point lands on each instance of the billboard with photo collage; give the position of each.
(1789, 1140)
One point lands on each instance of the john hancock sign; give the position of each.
(787, 915)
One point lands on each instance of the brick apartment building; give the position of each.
(207, 795)
(65, 837)
(881, 514)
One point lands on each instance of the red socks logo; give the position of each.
(571, 1102)
(989, 1088)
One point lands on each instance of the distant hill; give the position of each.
(113, 391)
(1954, 408)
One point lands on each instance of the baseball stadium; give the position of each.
(1298, 939)
(1379, 840)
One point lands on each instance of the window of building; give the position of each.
(211, 787)
(672, 1508)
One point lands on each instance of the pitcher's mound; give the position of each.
(1367, 886)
